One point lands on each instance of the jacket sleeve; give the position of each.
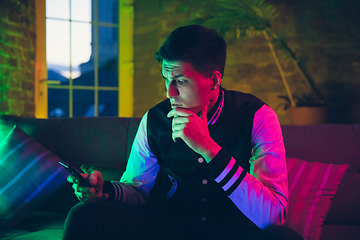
(262, 194)
(141, 170)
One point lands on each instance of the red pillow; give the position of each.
(312, 185)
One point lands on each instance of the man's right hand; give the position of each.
(88, 194)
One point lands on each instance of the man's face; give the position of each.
(187, 88)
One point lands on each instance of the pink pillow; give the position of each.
(312, 185)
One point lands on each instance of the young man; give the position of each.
(206, 163)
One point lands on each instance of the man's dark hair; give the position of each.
(202, 47)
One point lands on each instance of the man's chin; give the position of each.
(196, 110)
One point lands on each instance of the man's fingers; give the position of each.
(175, 138)
(94, 177)
(183, 117)
(88, 194)
(91, 197)
(82, 189)
(179, 112)
(75, 187)
(179, 120)
(105, 196)
(71, 179)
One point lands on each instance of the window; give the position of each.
(89, 72)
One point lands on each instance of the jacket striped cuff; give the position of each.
(119, 193)
(114, 190)
(226, 171)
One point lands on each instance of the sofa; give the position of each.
(323, 157)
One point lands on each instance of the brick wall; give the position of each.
(324, 34)
(146, 69)
(17, 57)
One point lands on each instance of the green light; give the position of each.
(5, 130)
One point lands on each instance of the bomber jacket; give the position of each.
(246, 180)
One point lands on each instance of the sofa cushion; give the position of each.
(311, 187)
(345, 207)
(104, 142)
(37, 224)
(340, 232)
(44, 131)
(327, 143)
(31, 174)
(53, 234)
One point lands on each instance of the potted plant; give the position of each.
(249, 18)
(309, 109)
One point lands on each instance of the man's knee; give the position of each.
(79, 212)
(87, 220)
(79, 209)
(76, 223)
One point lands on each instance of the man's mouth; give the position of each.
(175, 105)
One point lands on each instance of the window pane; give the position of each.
(83, 103)
(81, 10)
(86, 78)
(82, 56)
(108, 56)
(58, 50)
(108, 103)
(58, 9)
(80, 53)
(58, 103)
(108, 11)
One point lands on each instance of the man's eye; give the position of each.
(181, 81)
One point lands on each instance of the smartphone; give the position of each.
(76, 173)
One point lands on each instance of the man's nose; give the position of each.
(172, 90)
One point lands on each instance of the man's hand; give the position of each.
(88, 194)
(193, 130)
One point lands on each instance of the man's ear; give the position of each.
(216, 78)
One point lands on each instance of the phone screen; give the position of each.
(77, 174)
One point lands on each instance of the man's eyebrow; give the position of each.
(177, 76)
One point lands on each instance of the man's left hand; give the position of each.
(193, 130)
